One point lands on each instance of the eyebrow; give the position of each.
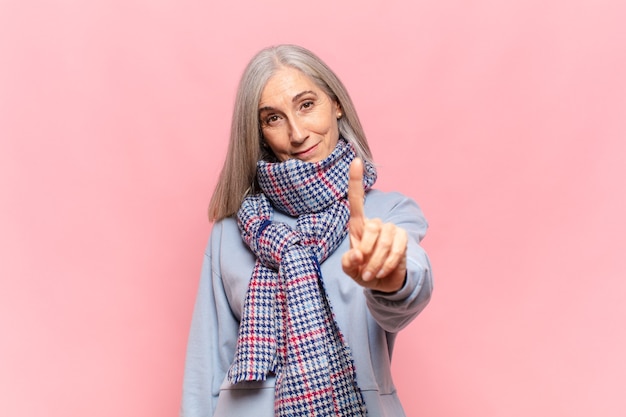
(293, 100)
(297, 96)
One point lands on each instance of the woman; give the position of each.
(279, 328)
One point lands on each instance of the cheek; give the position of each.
(326, 125)
(275, 138)
(278, 146)
(334, 128)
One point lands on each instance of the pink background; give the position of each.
(505, 120)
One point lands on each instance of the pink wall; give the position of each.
(505, 120)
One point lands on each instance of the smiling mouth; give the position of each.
(305, 152)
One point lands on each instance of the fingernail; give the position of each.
(367, 275)
(380, 273)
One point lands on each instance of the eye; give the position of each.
(271, 119)
(307, 105)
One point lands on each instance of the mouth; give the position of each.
(306, 154)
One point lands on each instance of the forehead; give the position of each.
(285, 84)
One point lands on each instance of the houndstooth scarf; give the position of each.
(288, 327)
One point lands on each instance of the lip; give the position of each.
(307, 153)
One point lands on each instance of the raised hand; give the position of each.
(377, 255)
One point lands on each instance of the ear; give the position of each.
(339, 112)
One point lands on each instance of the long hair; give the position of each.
(238, 176)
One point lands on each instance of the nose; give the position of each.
(297, 131)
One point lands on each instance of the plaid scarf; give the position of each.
(288, 327)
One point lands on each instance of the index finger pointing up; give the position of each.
(356, 194)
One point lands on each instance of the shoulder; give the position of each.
(224, 235)
(378, 203)
(397, 208)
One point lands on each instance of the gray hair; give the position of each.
(245, 149)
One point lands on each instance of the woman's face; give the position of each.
(298, 119)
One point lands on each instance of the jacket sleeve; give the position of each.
(394, 311)
(213, 333)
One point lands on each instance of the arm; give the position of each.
(393, 311)
(212, 334)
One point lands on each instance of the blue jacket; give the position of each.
(369, 320)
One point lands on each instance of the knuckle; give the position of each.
(385, 240)
(372, 226)
(374, 264)
(398, 252)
